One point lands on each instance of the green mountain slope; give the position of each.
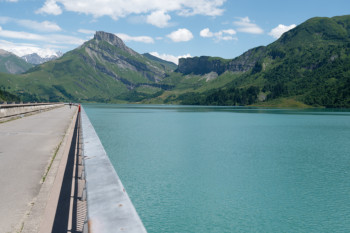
(310, 64)
(307, 66)
(7, 97)
(103, 69)
(10, 63)
(167, 64)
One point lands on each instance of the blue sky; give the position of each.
(166, 28)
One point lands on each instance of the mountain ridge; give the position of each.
(102, 69)
(308, 65)
(12, 64)
(206, 64)
(167, 64)
(36, 59)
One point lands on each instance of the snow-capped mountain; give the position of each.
(36, 59)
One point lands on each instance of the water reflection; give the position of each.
(234, 109)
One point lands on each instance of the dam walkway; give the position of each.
(55, 175)
(28, 147)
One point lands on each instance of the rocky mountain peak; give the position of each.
(110, 38)
(113, 40)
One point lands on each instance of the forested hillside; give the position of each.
(310, 63)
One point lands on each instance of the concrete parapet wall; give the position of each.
(11, 110)
(108, 205)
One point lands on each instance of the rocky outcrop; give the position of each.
(204, 64)
(201, 65)
(113, 40)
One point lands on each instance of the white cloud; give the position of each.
(20, 35)
(201, 7)
(206, 33)
(44, 26)
(169, 57)
(181, 35)
(143, 39)
(52, 38)
(220, 35)
(280, 29)
(50, 7)
(21, 49)
(229, 31)
(11, 0)
(245, 25)
(64, 39)
(4, 20)
(86, 31)
(159, 19)
(120, 8)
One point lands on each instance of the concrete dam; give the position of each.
(55, 174)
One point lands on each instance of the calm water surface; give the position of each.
(221, 169)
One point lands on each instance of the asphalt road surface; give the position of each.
(26, 148)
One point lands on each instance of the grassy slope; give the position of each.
(71, 78)
(168, 65)
(15, 63)
(309, 65)
(5, 91)
(79, 76)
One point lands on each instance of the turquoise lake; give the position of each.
(230, 169)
